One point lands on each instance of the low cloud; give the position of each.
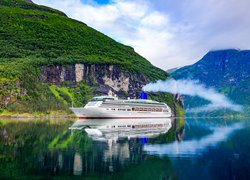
(194, 88)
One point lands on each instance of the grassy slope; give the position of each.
(32, 36)
(51, 38)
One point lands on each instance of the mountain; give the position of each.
(228, 71)
(49, 61)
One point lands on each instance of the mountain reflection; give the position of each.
(124, 149)
(89, 148)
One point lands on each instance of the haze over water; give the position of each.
(191, 149)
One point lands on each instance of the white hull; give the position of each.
(97, 112)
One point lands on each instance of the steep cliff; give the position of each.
(106, 78)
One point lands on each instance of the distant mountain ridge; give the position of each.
(228, 71)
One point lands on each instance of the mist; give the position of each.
(194, 88)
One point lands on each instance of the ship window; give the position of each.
(133, 109)
(128, 109)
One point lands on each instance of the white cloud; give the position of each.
(155, 20)
(168, 33)
(194, 88)
(131, 9)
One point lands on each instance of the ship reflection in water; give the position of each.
(120, 137)
(111, 130)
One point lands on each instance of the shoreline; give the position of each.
(22, 116)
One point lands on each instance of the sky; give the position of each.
(169, 33)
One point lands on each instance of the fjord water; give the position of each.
(203, 148)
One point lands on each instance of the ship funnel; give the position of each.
(143, 95)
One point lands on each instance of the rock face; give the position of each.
(179, 99)
(106, 78)
(12, 90)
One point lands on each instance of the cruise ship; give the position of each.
(111, 107)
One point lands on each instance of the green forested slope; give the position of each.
(32, 36)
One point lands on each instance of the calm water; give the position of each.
(125, 149)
